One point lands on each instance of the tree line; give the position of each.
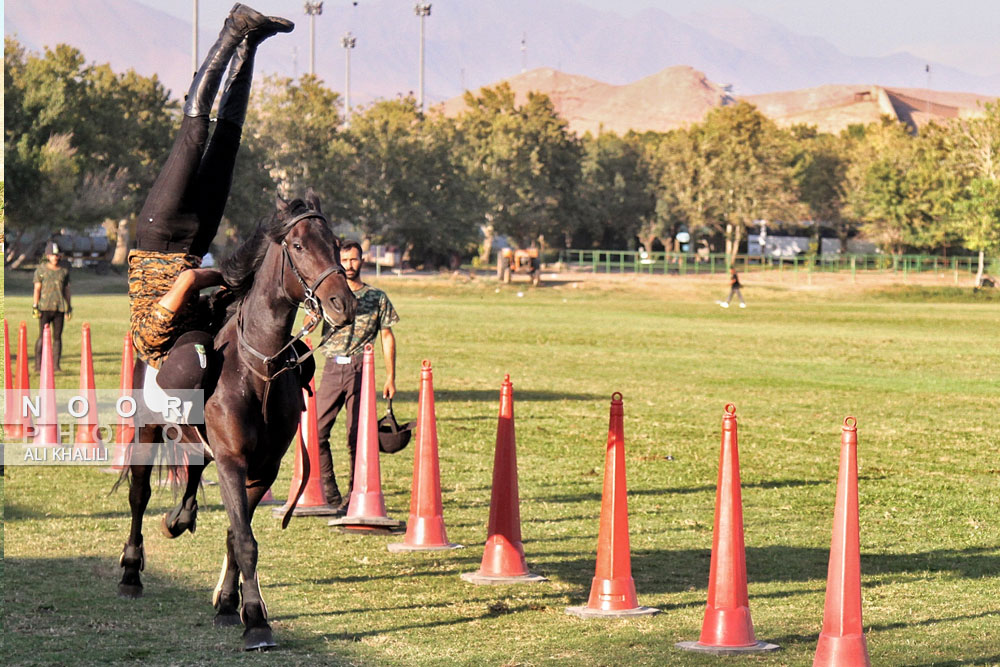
(83, 144)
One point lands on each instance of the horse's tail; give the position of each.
(294, 500)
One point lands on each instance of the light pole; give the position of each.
(194, 36)
(422, 9)
(349, 41)
(313, 9)
(524, 53)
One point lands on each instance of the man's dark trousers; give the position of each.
(340, 387)
(55, 320)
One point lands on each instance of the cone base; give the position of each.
(272, 501)
(372, 521)
(846, 650)
(485, 579)
(587, 612)
(371, 530)
(698, 647)
(399, 547)
(311, 510)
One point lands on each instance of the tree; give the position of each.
(292, 141)
(615, 197)
(81, 143)
(681, 187)
(727, 172)
(898, 188)
(820, 171)
(525, 163)
(977, 210)
(405, 187)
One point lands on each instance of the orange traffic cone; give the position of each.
(312, 502)
(727, 628)
(86, 425)
(269, 499)
(11, 422)
(47, 431)
(126, 425)
(24, 381)
(503, 555)
(842, 641)
(425, 527)
(366, 508)
(612, 592)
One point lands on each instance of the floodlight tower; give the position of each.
(524, 53)
(349, 41)
(194, 36)
(313, 9)
(423, 10)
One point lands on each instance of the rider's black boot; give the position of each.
(242, 23)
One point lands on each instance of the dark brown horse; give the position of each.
(254, 401)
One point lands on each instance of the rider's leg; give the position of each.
(170, 218)
(215, 176)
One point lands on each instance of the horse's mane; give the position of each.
(240, 268)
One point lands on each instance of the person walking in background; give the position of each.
(340, 386)
(51, 303)
(734, 290)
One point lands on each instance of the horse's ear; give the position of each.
(312, 200)
(280, 203)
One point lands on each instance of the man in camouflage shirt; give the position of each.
(51, 303)
(340, 385)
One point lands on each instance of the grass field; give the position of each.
(918, 366)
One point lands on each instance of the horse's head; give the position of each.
(312, 253)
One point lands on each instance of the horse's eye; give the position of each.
(297, 246)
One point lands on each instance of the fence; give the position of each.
(632, 261)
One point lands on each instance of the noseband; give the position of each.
(309, 300)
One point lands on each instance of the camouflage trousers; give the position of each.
(154, 328)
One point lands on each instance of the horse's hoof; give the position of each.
(130, 591)
(175, 522)
(258, 639)
(227, 620)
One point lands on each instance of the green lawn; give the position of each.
(922, 376)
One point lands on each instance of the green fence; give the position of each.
(632, 261)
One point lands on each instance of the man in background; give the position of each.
(51, 303)
(340, 385)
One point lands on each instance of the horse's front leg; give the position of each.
(133, 558)
(226, 596)
(232, 484)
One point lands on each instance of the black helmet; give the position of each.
(391, 436)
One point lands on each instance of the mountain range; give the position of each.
(473, 44)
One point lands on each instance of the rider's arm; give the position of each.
(389, 353)
(188, 284)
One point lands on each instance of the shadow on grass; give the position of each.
(492, 397)
(680, 490)
(785, 640)
(678, 570)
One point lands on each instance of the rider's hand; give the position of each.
(389, 391)
(69, 313)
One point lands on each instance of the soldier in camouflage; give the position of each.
(340, 385)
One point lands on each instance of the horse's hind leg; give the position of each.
(133, 558)
(184, 516)
(232, 484)
(226, 597)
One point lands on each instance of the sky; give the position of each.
(961, 33)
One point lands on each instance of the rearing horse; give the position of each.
(255, 404)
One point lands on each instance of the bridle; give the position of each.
(312, 306)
